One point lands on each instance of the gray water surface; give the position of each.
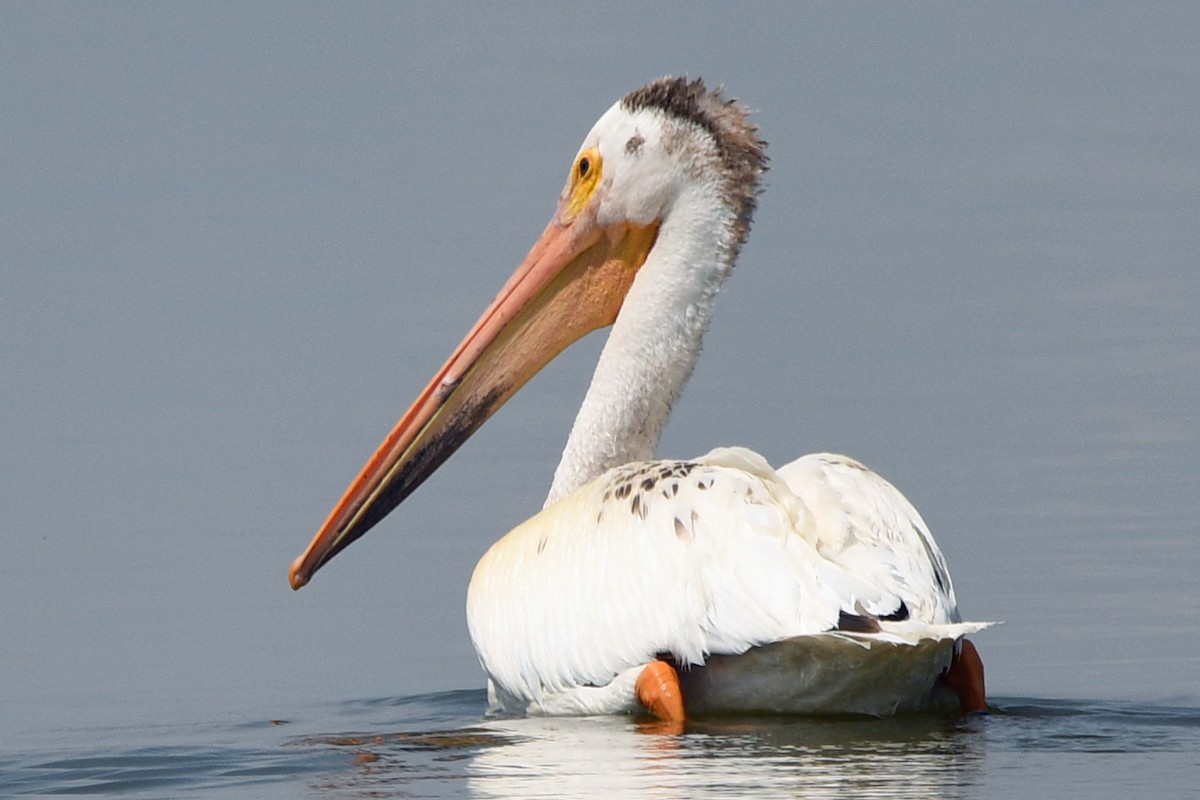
(235, 242)
(439, 746)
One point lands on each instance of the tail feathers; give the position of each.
(910, 632)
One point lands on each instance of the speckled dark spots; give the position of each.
(681, 531)
(623, 491)
(681, 469)
(674, 488)
(854, 623)
(939, 566)
(638, 507)
(899, 615)
(634, 146)
(648, 484)
(849, 463)
(541, 545)
(940, 577)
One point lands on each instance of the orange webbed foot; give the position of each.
(658, 690)
(965, 677)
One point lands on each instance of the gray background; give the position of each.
(237, 239)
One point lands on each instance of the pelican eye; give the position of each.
(584, 180)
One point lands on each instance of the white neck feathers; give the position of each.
(654, 342)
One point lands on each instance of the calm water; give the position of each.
(235, 241)
(439, 746)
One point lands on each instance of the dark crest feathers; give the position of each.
(741, 151)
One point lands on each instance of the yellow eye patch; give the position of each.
(585, 177)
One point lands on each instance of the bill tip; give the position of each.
(297, 576)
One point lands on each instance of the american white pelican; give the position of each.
(812, 588)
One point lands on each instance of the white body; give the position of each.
(710, 559)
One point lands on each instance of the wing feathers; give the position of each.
(711, 556)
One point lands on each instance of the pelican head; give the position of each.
(656, 205)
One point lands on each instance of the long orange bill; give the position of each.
(572, 282)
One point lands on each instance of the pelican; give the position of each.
(715, 584)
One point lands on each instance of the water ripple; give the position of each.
(440, 745)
